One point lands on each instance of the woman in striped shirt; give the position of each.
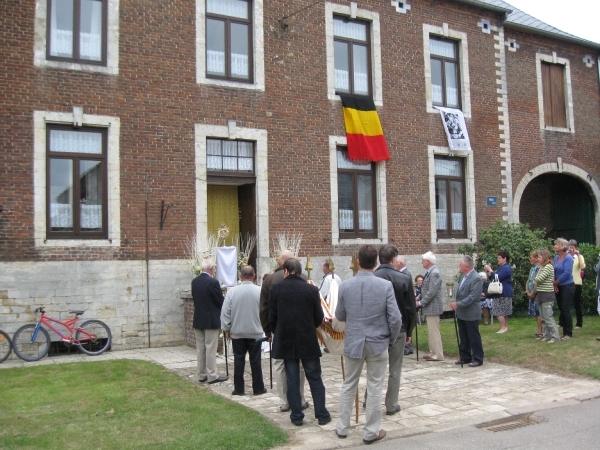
(544, 285)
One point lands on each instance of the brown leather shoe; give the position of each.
(379, 437)
(429, 358)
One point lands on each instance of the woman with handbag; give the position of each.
(578, 266)
(501, 290)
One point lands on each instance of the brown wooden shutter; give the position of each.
(553, 84)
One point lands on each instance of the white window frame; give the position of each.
(113, 189)
(463, 58)
(553, 59)
(258, 49)
(381, 195)
(353, 12)
(432, 152)
(231, 131)
(112, 42)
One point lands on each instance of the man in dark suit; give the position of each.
(468, 313)
(208, 301)
(295, 312)
(405, 298)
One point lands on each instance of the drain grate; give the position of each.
(509, 423)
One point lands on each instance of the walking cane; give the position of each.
(226, 360)
(457, 341)
(417, 337)
(271, 364)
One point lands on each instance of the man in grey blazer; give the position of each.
(468, 313)
(368, 306)
(432, 306)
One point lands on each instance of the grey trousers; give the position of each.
(206, 352)
(549, 327)
(376, 365)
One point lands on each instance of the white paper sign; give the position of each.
(453, 121)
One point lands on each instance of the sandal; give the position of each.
(539, 335)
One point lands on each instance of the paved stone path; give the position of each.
(434, 396)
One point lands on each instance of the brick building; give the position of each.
(130, 126)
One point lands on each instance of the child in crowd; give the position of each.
(534, 310)
(543, 283)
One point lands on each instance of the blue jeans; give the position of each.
(312, 370)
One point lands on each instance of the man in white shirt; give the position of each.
(326, 281)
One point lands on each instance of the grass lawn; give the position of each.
(577, 356)
(120, 405)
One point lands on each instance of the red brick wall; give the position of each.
(158, 101)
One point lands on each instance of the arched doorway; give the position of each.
(560, 203)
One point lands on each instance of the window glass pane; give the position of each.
(437, 92)
(342, 67)
(215, 47)
(456, 205)
(344, 163)
(239, 50)
(448, 167)
(75, 142)
(230, 163)
(61, 28)
(233, 8)
(213, 147)
(361, 69)
(61, 194)
(245, 149)
(441, 206)
(90, 37)
(350, 29)
(442, 48)
(365, 203)
(346, 201)
(245, 165)
(90, 201)
(229, 148)
(451, 85)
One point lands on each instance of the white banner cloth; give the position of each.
(227, 266)
(455, 128)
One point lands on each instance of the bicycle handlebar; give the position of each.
(41, 309)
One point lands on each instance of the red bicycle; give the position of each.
(31, 342)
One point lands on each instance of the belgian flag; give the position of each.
(363, 129)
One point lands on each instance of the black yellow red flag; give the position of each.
(364, 134)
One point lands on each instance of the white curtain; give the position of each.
(75, 142)
(441, 218)
(61, 40)
(215, 61)
(365, 219)
(442, 48)
(233, 8)
(239, 65)
(342, 80)
(61, 216)
(90, 39)
(349, 29)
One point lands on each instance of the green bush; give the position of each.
(518, 240)
(589, 295)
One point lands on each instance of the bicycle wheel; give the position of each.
(29, 345)
(5, 346)
(99, 343)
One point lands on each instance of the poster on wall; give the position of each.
(453, 121)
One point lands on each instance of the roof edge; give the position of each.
(560, 37)
(485, 5)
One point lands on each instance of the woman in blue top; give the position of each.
(564, 286)
(502, 303)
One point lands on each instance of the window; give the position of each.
(351, 56)
(450, 200)
(445, 85)
(77, 31)
(356, 197)
(76, 179)
(553, 82)
(229, 39)
(233, 157)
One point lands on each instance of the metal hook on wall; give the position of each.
(164, 211)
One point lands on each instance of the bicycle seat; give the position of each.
(77, 313)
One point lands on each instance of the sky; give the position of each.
(578, 17)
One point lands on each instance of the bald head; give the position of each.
(284, 256)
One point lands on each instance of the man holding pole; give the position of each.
(468, 313)
(368, 306)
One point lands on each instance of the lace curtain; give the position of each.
(365, 219)
(441, 218)
(90, 37)
(75, 142)
(61, 216)
(232, 8)
(215, 63)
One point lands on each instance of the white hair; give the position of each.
(483, 275)
(208, 264)
(401, 259)
(429, 256)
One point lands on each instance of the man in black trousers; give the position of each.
(295, 312)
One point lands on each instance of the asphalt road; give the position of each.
(573, 427)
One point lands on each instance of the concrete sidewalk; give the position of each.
(435, 396)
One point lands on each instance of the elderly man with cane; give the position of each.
(468, 313)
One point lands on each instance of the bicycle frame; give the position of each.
(68, 324)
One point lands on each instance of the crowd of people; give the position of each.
(378, 308)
